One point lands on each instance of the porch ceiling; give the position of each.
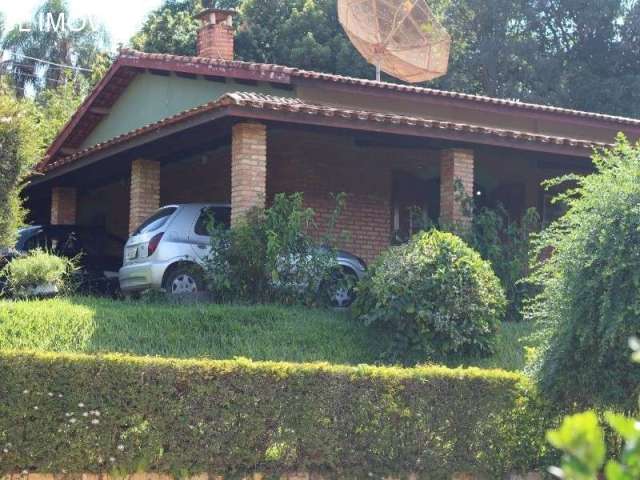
(294, 111)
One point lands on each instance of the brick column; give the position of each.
(248, 168)
(145, 191)
(456, 170)
(63, 206)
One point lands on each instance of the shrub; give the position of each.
(17, 154)
(583, 442)
(36, 269)
(78, 413)
(270, 256)
(507, 245)
(435, 294)
(589, 304)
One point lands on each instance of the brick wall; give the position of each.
(205, 178)
(216, 41)
(248, 168)
(63, 206)
(144, 191)
(321, 164)
(456, 165)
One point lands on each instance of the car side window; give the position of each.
(217, 215)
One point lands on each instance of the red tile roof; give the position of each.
(265, 70)
(130, 62)
(247, 102)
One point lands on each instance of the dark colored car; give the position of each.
(98, 252)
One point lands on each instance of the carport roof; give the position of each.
(271, 108)
(131, 62)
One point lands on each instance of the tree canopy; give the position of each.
(55, 43)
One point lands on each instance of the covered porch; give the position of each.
(245, 148)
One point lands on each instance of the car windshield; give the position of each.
(155, 221)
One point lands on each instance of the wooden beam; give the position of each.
(100, 110)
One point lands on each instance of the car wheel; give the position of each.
(184, 280)
(340, 289)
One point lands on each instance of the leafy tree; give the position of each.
(301, 33)
(171, 28)
(589, 303)
(17, 153)
(63, 47)
(55, 106)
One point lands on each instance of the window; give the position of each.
(156, 221)
(219, 215)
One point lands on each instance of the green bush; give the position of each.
(507, 245)
(583, 442)
(589, 303)
(72, 413)
(17, 155)
(37, 268)
(435, 294)
(270, 256)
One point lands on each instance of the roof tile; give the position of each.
(251, 100)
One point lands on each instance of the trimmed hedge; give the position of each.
(77, 413)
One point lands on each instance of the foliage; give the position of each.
(62, 46)
(171, 28)
(35, 269)
(27, 126)
(17, 154)
(582, 440)
(589, 300)
(55, 106)
(234, 417)
(507, 245)
(270, 256)
(435, 294)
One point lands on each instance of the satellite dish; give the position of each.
(400, 37)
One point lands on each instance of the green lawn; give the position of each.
(212, 331)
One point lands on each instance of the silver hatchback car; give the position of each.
(168, 251)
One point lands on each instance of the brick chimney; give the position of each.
(215, 37)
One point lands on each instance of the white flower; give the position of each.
(73, 420)
(59, 395)
(111, 459)
(26, 392)
(95, 421)
(35, 408)
(25, 472)
(121, 447)
(85, 414)
(5, 450)
(81, 405)
(50, 394)
(68, 414)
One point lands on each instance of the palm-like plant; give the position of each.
(61, 46)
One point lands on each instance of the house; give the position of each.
(162, 129)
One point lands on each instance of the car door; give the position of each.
(209, 216)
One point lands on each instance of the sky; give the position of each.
(121, 17)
